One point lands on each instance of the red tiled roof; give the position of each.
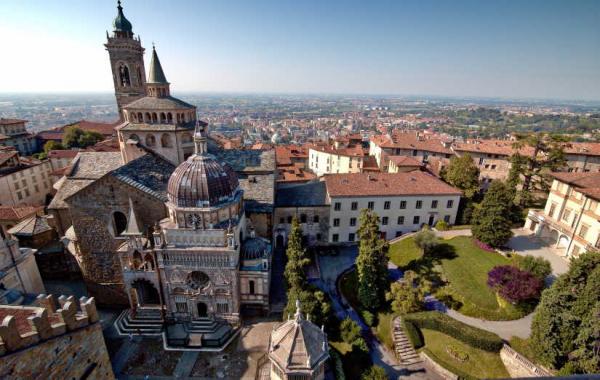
(285, 153)
(105, 129)
(356, 151)
(4, 121)
(18, 212)
(386, 184)
(499, 147)
(584, 180)
(411, 141)
(583, 148)
(62, 153)
(7, 155)
(405, 161)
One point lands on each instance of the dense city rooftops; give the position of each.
(412, 141)
(4, 121)
(18, 212)
(387, 184)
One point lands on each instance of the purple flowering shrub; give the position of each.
(513, 284)
(483, 246)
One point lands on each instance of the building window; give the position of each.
(398, 233)
(19, 195)
(352, 222)
(302, 218)
(120, 222)
(386, 205)
(371, 205)
(289, 219)
(450, 203)
(316, 219)
(400, 220)
(552, 209)
(181, 307)
(419, 204)
(447, 218)
(26, 192)
(282, 220)
(354, 206)
(583, 230)
(251, 287)
(434, 204)
(384, 221)
(335, 238)
(480, 160)
(336, 222)
(402, 205)
(493, 167)
(566, 214)
(337, 206)
(416, 220)
(351, 236)
(222, 308)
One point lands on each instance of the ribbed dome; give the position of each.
(121, 24)
(200, 181)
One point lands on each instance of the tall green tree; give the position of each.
(426, 240)
(464, 174)
(372, 261)
(492, 218)
(296, 258)
(541, 153)
(565, 331)
(75, 137)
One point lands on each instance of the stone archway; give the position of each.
(146, 293)
(563, 242)
(202, 310)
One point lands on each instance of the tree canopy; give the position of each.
(492, 218)
(464, 174)
(75, 137)
(565, 331)
(426, 240)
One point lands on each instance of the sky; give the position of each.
(544, 49)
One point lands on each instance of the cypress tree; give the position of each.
(372, 261)
(492, 219)
(296, 258)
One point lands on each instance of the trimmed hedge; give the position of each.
(434, 320)
(413, 334)
(338, 365)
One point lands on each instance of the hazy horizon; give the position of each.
(504, 49)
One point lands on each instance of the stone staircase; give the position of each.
(404, 350)
(214, 333)
(144, 322)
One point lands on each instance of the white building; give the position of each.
(403, 202)
(327, 160)
(27, 182)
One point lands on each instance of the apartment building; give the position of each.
(330, 160)
(14, 134)
(403, 164)
(25, 181)
(583, 157)
(404, 202)
(570, 221)
(418, 145)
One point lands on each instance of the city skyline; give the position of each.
(542, 50)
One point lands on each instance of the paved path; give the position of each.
(524, 243)
(128, 348)
(186, 364)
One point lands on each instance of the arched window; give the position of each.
(120, 222)
(148, 117)
(148, 262)
(163, 117)
(137, 260)
(134, 137)
(124, 79)
(165, 141)
(154, 117)
(170, 118)
(251, 287)
(316, 219)
(150, 140)
(140, 117)
(186, 138)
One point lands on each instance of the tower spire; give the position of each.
(157, 82)
(122, 26)
(200, 145)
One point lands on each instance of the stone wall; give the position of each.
(441, 371)
(46, 342)
(92, 212)
(519, 366)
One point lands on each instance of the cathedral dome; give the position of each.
(201, 181)
(121, 24)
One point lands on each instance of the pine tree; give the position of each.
(296, 258)
(492, 219)
(372, 261)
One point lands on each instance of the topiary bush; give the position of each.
(413, 334)
(368, 317)
(434, 320)
(441, 226)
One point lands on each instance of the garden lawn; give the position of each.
(523, 347)
(403, 252)
(467, 274)
(480, 364)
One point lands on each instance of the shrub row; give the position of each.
(413, 334)
(338, 365)
(434, 320)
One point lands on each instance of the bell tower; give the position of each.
(126, 61)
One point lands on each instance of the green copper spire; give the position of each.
(121, 24)
(156, 74)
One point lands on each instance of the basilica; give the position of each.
(165, 226)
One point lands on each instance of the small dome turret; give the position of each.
(121, 24)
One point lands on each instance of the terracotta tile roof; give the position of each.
(7, 155)
(499, 147)
(57, 133)
(583, 148)
(285, 153)
(583, 180)
(593, 193)
(370, 164)
(355, 151)
(18, 212)
(4, 121)
(62, 153)
(386, 184)
(31, 226)
(412, 141)
(405, 161)
(295, 174)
